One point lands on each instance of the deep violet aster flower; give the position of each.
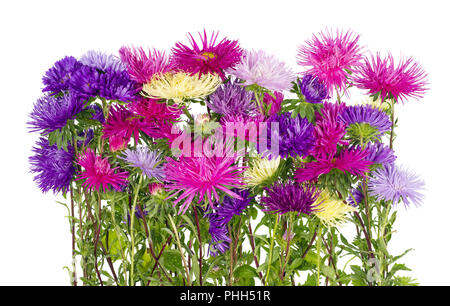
(313, 89)
(382, 76)
(142, 66)
(102, 61)
(57, 78)
(366, 114)
(99, 174)
(357, 195)
(380, 153)
(231, 99)
(208, 57)
(294, 135)
(265, 70)
(353, 161)
(51, 113)
(220, 242)
(97, 113)
(54, 168)
(331, 56)
(145, 159)
(283, 198)
(233, 206)
(392, 183)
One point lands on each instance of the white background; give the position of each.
(35, 242)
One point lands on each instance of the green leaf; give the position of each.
(245, 271)
(172, 260)
(328, 272)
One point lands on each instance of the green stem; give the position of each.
(133, 211)
(175, 232)
(119, 235)
(319, 247)
(271, 249)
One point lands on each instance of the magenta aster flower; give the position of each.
(330, 57)
(353, 161)
(188, 177)
(381, 76)
(241, 126)
(98, 172)
(208, 57)
(265, 70)
(143, 66)
(273, 104)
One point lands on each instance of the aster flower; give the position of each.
(331, 210)
(366, 114)
(220, 242)
(265, 70)
(392, 183)
(145, 159)
(232, 206)
(52, 113)
(313, 89)
(180, 86)
(154, 111)
(294, 135)
(383, 77)
(242, 126)
(262, 171)
(353, 161)
(53, 168)
(202, 176)
(283, 198)
(209, 57)
(357, 195)
(102, 61)
(231, 99)
(273, 103)
(156, 189)
(99, 174)
(142, 66)
(57, 78)
(380, 153)
(331, 57)
(97, 114)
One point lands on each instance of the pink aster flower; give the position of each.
(208, 57)
(331, 57)
(98, 172)
(380, 75)
(352, 161)
(273, 104)
(143, 66)
(242, 126)
(188, 177)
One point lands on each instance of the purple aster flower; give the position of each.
(392, 183)
(51, 113)
(380, 153)
(97, 114)
(295, 135)
(283, 198)
(54, 168)
(232, 99)
(87, 135)
(102, 61)
(220, 242)
(57, 78)
(145, 159)
(313, 89)
(357, 195)
(366, 114)
(233, 206)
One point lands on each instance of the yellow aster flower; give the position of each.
(181, 85)
(261, 170)
(378, 104)
(331, 210)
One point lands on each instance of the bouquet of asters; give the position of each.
(216, 165)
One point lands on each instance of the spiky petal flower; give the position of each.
(242, 126)
(180, 86)
(331, 210)
(232, 99)
(382, 76)
(313, 89)
(233, 206)
(392, 183)
(54, 168)
(262, 171)
(57, 78)
(99, 174)
(220, 242)
(273, 103)
(145, 159)
(52, 113)
(208, 57)
(283, 198)
(265, 70)
(331, 56)
(356, 196)
(142, 66)
(353, 161)
(188, 177)
(102, 61)
(380, 153)
(366, 114)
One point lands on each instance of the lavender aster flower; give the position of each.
(51, 113)
(231, 99)
(313, 89)
(380, 153)
(392, 183)
(281, 198)
(233, 206)
(366, 114)
(54, 168)
(102, 61)
(220, 242)
(57, 78)
(295, 135)
(145, 159)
